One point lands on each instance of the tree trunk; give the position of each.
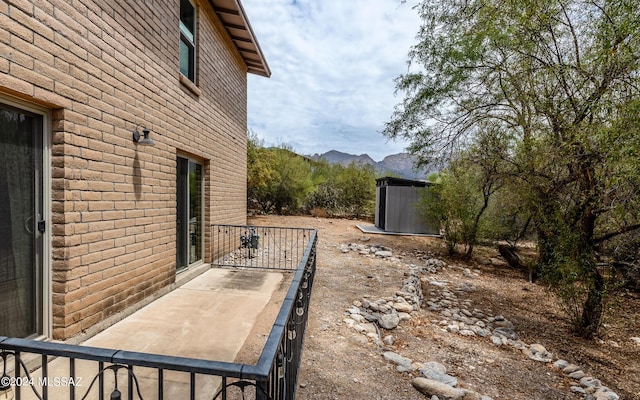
(467, 255)
(592, 309)
(509, 254)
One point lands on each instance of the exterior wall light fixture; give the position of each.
(145, 141)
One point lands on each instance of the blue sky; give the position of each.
(333, 63)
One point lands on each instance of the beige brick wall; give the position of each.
(104, 67)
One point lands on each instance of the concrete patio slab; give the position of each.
(209, 318)
(377, 231)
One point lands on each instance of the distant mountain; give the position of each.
(402, 164)
(396, 164)
(338, 157)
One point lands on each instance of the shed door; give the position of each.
(382, 208)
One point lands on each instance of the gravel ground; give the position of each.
(340, 363)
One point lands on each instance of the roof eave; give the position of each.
(235, 21)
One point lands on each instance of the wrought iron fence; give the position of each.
(265, 247)
(27, 371)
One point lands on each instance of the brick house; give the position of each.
(92, 222)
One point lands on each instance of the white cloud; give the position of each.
(333, 63)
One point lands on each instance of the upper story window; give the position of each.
(187, 40)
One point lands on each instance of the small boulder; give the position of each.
(435, 366)
(398, 359)
(570, 368)
(605, 393)
(589, 381)
(403, 307)
(439, 376)
(577, 375)
(431, 387)
(389, 321)
(506, 332)
(539, 353)
(561, 364)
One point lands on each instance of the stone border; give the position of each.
(368, 316)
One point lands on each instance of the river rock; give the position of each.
(404, 316)
(503, 324)
(482, 332)
(432, 387)
(349, 322)
(589, 381)
(496, 340)
(605, 393)
(537, 348)
(389, 321)
(460, 318)
(539, 353)
(435, 366)
(439, 376)
(365, 328)
(403, 307)
(570, 368)
(577, 375)
(358, 318)
(561, 364)
(398, 359)
(509, 333)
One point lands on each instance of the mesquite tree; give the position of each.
(558, 81)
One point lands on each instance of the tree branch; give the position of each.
(610, 235)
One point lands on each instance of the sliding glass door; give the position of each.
(21, 222)
(189, 228)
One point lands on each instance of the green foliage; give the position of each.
(507, 217)
(349, 190)
(458, 202)
(357, 186)
(434, 177)
(549, 91)
(281, 181)
(294, 180)
(326, 197)
(261, 175)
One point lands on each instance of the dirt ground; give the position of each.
(338, 363)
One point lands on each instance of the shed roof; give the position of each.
(235, 21)
(393, 181)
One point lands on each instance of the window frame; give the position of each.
(188, 39)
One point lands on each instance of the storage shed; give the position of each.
(398, 206)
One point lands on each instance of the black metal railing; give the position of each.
(28, 370)
(265, 247)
